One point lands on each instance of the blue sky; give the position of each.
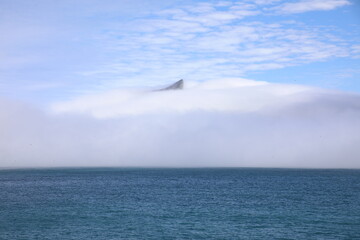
(56, 50)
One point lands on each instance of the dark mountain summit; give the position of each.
(175, 86)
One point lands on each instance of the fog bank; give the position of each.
(222, 123)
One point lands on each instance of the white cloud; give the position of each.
(310, 5)
(232, 123)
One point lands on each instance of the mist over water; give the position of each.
(223, 123)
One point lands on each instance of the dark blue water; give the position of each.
(179, 204)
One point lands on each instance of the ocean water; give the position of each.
(130, 203)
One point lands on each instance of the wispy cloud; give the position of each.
(310, 5)
(265, 2)
(211, 40)
(355, 51)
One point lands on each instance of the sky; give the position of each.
(53, 50)
(268, 83)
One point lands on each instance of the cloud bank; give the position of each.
(220, 123)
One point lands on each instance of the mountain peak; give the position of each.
(175, 86)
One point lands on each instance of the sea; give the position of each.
(176, 203)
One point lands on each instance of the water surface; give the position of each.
(130, 203)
